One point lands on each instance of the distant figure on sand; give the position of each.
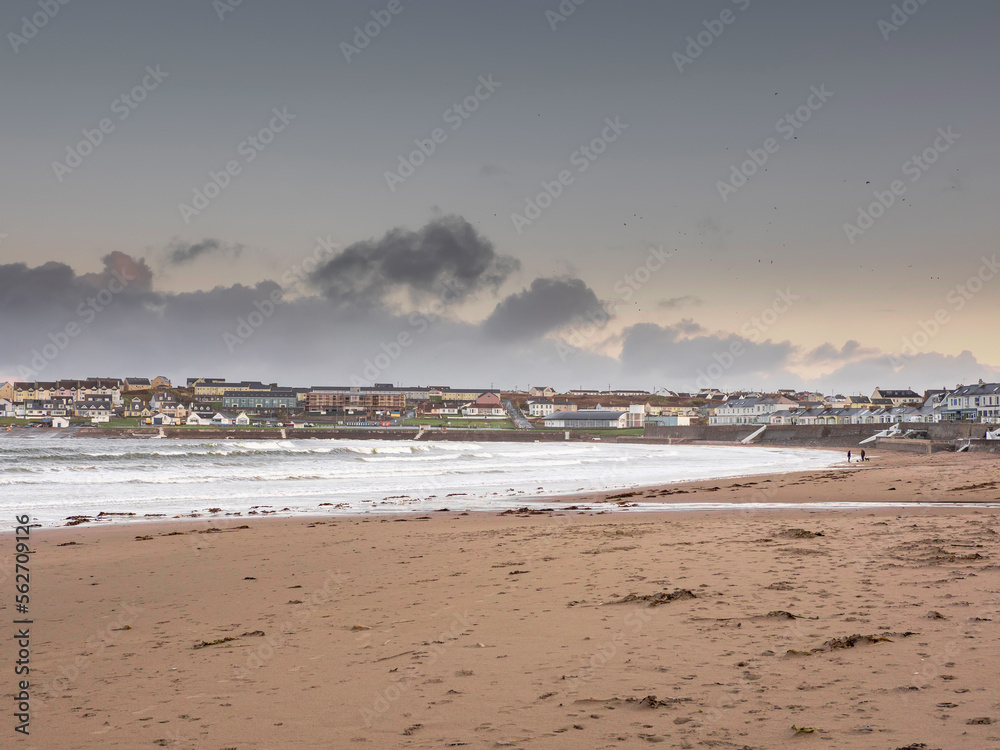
(848, 457)
(862, 455)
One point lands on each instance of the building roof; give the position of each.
(902, 393)
(585, 414)
(980, 389)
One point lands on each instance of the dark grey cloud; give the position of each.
(446, 256)
(548, 304)
(249, 331)
(181, 252)
(675, 303)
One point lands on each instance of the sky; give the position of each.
(731, 194)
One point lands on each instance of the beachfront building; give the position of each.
(543, 407)
(486, 405)
(754, 410)
(668, 420)
(36, 409)
(261, 400)
(973, 403)
(588, 419)
(382, 397)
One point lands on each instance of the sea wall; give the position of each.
(833, 435)
(913, 446)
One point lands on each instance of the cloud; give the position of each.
(671, 355)
(447, 256)
(920, 372)
(181, 253)
(827, 353)
(548, 304)
(675, 303)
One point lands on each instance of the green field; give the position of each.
(458, 424)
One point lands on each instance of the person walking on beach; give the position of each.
(862, 455)
(848, 457)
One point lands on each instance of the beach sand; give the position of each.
(552, 630)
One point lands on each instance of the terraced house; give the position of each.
(973, 403)
(755, 410)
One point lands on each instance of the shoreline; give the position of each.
(874, 486)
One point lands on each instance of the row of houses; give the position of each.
(971, 403)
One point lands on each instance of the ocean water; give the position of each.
(52, 478)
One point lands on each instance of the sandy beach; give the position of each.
(872, 628)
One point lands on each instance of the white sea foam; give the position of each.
(53, 477)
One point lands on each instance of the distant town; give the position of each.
(215, 402)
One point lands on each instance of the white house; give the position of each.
(973, 403)
(197, 420)
(242, 419)
(6, 408)
(222, 419)
(583, 419)
(542, 407)
(163, 420)
(753, 410)
(60, 422)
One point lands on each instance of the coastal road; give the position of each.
(520, 421)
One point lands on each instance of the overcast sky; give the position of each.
(637, 193)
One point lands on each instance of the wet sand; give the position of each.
(682, 629)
